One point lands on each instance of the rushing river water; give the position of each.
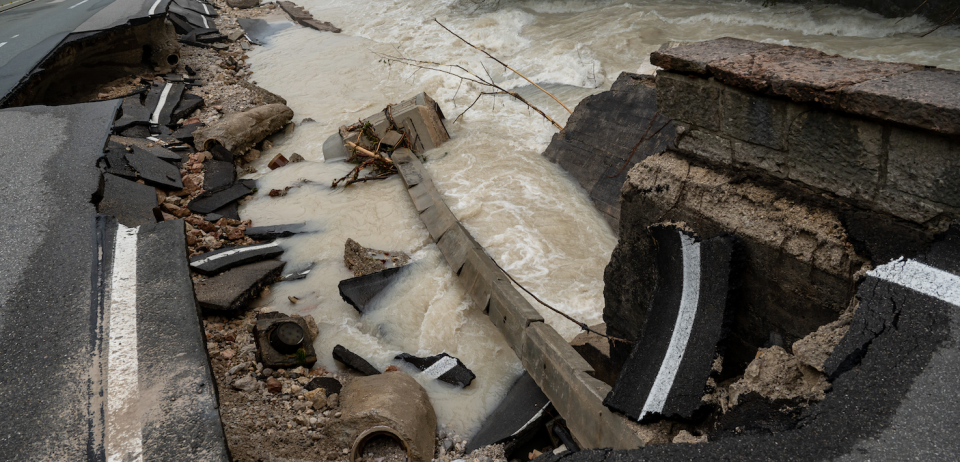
(530, 216)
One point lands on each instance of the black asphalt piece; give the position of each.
(162, 154)
(899, 402)
(755, 414)
(354, 361)
(218, 175)
(516, 419)
(209, 202)
(222, 154)
(154, 171)
(666, 373)
(183, 109)
(231, 211)
(300, 273)
(134, 111)
(360, 291)
(231, 290)
(329, 384)
(220, 260)
(185, 133)
(197, 7)
(262, 233)
(149, 146)
(442, 367)
(259, 31)
(114, 161)
(167, 103)
(130, 202)
(188, 20)
(136, 131)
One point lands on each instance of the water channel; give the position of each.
(529, 215)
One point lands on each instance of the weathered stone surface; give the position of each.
(363, 261)
(928, 99)
(242, 4)
(798, 264)
(801, 74)
(596, 350)
(689, 99)
(924, 165)
(598, 140)
(694, 58)
(763, 121)
(231, 290)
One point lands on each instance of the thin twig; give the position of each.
(582, 325)
(503, 64)
(945, 21)
(911, 13)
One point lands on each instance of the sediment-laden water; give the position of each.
(530, 216)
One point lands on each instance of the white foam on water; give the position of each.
(529, 214)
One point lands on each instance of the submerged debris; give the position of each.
(442, 367)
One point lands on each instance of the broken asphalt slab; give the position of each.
(516, 419)
(154, 171)
(666, 373)
(262, 233)
(259, 31)
(899, 402)
(353, 360)
(361, 290)
(442, 367)
(218, 175)
(220, 260)
(130, 202)
(231, 290)
(210, 202)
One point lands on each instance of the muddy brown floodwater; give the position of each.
(525, 211)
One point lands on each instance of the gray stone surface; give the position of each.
(924, 165)
(694, 58)
(689, 99)
(928, 99)
(596, 146)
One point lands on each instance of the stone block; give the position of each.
(704, 144)
(924, 165)
(689, 99)
(438, 219)
(836, 153)
(773, 162)
(693, 58)
(928, 99)
(455, 244)
(801, 74)
(511, 313)
(424, 194)
(755, 119)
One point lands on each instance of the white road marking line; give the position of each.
(78, 4)
(532, 419)
(153, 9)
(2, 44)
(922, 278)
(15, 36)
(124, 435)
(155, 118)
(440, 367)
(205, 10)
(233, 252)
(205, 25)
(689, 299)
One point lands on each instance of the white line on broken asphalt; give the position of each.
(78, 4)
(233, 252)
(153, 9)
(124, 435)
(2, 44)
(440, 367)
(689, 299)
(532, 419)
(155, 118)
(922, 278)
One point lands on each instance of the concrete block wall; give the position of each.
(563, 375)
(882, 136)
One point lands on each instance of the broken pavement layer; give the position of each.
(361, 290)
(442, 367)
(130, 202)
(231, 290)
(666, 374)
(274, 231)
(353, 360)
(213, 202)
(220, 260)
(103, 315)
(305, 19)
(516, 419)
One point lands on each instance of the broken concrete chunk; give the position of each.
(596, 350)
(442, 367)
(360, 291)
(226, 258)
(262, 233)
(393, 405)
(362, 261)
(667, 371)
(354, 361)
(235, 35)
(516, 419)
(284, 342)
(230, 291)
(296, 158)
(130, 202)
(241, 130)
(211, 202)
(154, 171)
(277, 162)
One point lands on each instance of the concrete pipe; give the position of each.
(391, 404)
(241, 130)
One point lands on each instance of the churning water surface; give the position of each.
(528, 214)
